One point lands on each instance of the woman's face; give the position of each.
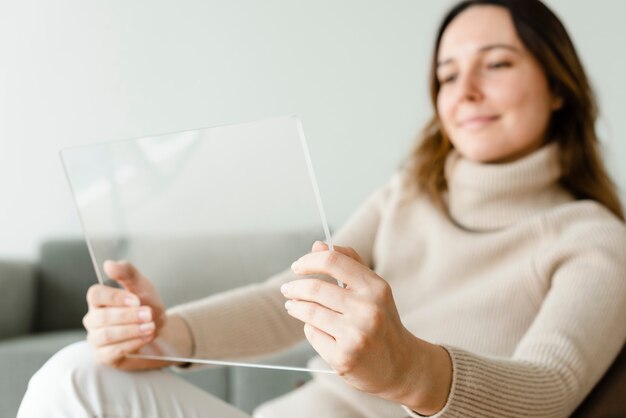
(494, 101)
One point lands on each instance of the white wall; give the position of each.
(79, 72)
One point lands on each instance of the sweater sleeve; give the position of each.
(573, 340)
(251, 321)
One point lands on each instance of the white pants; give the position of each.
(72, 384)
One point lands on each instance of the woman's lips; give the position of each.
(477, 122)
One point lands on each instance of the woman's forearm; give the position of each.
(425, 384)
(174, 340)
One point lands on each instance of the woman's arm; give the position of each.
(573, 340)
(358, 331)
(251, 320)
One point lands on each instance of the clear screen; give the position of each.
(201, 212)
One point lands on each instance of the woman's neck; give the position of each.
(492, 196)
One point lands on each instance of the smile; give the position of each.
(477, 122)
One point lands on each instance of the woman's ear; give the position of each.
(557, 98)
(557, 103)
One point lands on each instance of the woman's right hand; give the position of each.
(122, 321)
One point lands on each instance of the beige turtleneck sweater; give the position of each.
(524, 286)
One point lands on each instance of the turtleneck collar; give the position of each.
(492, 196)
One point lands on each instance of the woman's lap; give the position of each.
(71, 383)
(308, 401)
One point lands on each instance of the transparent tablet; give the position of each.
(202, 212)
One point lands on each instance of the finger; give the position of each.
(102, 317)
(319, 291)
(334, 264)
(101, 337)
(323, 343)
(113, 354)
(320, 317)
(319, 246)
(349, 251)
(100, 295)
(124, 273)
(329, 349)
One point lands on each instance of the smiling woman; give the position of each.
(514, 85)
(494, 100)
(486, 279)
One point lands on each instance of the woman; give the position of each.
(487, 278)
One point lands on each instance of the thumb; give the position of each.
(124, 273)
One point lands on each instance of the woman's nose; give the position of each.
(469, 87)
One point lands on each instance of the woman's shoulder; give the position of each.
(401, 186)
(398, 187)
(587, 223)
(583, 239)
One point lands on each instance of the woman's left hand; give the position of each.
(356, 329)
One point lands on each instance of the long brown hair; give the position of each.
(572, 126)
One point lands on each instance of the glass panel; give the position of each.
(202, 211)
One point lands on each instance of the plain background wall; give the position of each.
(79, 72)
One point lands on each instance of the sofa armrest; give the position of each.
(18, 284)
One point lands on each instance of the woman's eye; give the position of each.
(447, 79)
(499, 64)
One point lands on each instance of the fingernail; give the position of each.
(146, 328)
(144, 315)
(131, 301)
(288, 304)
(295, 266)
(285, 288)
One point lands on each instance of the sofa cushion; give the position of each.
(65, 273)
(17, 299)
(187, 269)
(183, 269)
(21, 358)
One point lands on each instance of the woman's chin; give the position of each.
(494, 158)
(480, 154)
(490, 151)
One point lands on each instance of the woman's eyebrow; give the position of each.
(482, 49)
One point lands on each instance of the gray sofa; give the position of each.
(42, 304)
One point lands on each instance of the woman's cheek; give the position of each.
(527, 116)
(445, 111)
